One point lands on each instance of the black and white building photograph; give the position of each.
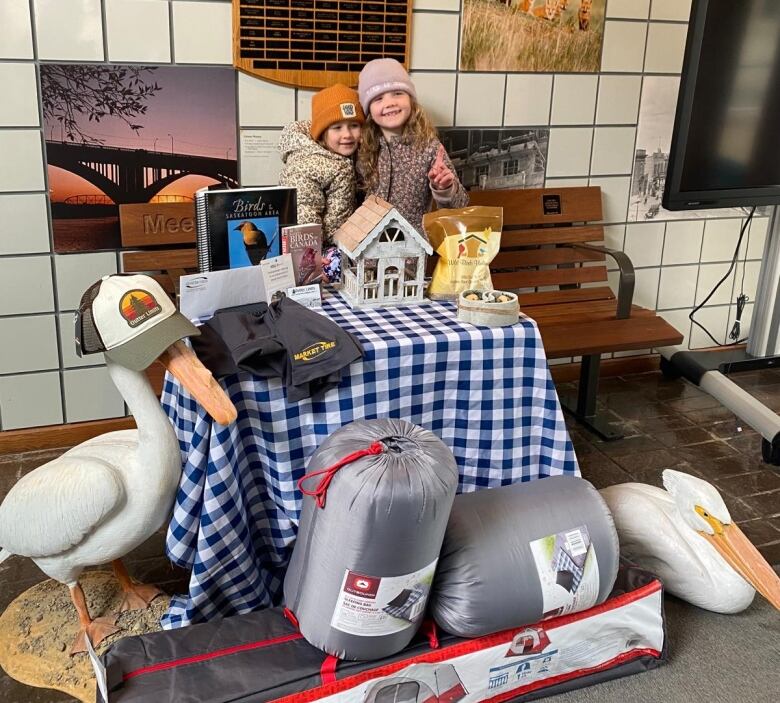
(497, 158)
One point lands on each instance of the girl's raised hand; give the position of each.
(440, 176)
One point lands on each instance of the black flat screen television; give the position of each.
(725, 148)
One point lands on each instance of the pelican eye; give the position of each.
(716, 524)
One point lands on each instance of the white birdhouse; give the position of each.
(382, 257)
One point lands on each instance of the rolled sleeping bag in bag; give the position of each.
(520, 553)
(369, 537)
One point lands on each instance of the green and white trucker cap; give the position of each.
(131, 319)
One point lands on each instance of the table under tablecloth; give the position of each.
(486, 392)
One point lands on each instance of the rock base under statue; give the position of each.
(39, 626)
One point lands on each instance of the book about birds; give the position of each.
(304, 244)
(241, 226)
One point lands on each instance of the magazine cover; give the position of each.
(304, 244)
(241, 227)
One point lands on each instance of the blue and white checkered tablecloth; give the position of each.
(486, 392)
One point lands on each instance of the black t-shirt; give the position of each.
(281, 340)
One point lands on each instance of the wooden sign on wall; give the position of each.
(316, 43)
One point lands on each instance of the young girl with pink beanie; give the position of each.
(401, 158)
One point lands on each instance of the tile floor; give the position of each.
(667, 424)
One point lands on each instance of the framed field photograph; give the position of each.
(549, 36)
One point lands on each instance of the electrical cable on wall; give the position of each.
(742, 298)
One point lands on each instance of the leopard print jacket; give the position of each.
(325, 181)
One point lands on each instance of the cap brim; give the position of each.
(139, 353)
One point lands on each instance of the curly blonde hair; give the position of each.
(418, 131)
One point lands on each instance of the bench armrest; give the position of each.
(627, 277)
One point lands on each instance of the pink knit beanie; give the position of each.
(381, 76)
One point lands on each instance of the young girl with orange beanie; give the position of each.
(318, 158)
(401, 158)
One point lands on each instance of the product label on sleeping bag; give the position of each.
(381, 605)
(568, 571)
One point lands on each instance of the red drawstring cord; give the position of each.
(327, 474)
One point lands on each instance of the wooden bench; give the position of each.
(160, 240)
(549, 257)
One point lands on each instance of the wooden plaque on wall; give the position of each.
(316, 43)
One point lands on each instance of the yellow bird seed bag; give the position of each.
(466, 240)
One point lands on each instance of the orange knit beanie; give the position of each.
(333, 105)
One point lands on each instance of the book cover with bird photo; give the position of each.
(242, 226)
(304, 244)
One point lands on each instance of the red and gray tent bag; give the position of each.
(262, 657)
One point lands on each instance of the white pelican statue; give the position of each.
(685, 535)
(103, 498)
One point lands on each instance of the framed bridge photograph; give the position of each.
(119, 134)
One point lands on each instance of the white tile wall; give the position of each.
(90, 395)
(679, 10)
(202, 32)
(614, 196)
(19, 107)
(720, 238)
(436, 5)
(757, 237)
(750, 279)
(644, 243)
(441, 53)
(679, 320)
(568, 153)
(574, 99)
(25, 285)
(665, 48)
(138, 30)
(15, 30)
(618, 99)
(528, 98)
(613, 151)
(633, 9)
(592, 116)
(624, 47)
(69, 30)
(24, 225)
(30, 344)
(716, 321)
(21, 166)
(565, 182)
(614, 237)
(683, 242)
(303, 103)
(30, 400)
(709, 275)
(263, 104)
(480, 99)
(436, 93)
(77, 272)
(678, 287)
(646, 287)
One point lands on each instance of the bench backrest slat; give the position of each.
(537, 221)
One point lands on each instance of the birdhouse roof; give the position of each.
(369, 220)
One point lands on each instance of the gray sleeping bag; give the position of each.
(516, 554)
(362, 567)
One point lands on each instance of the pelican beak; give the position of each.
(738, 551)
(185, 366)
